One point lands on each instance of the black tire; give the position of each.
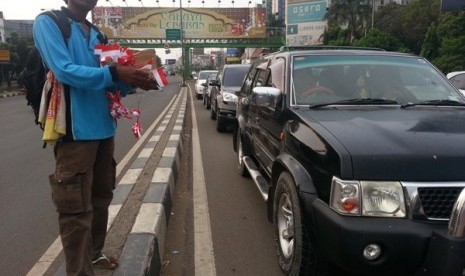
(241, 152)
(295, 254)
(221, 125)
(213, 113)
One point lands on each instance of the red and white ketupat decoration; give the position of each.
(110, 54)
(118, 110)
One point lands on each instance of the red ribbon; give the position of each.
(118, 110)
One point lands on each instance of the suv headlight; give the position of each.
(229, 97)
(367, 198)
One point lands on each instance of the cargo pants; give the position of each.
(82, 189)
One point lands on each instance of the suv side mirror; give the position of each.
(266, 96)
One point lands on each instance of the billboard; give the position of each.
(4, 56)
(233, 56)
(208, 23)
(305, 22)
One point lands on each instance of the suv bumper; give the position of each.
(408, 247)
(227, 111)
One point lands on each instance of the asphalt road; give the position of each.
(242, 237)
(27, 215)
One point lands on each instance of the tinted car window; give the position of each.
(278, 68)
(212, 77)
(318, 80)
(205, 75)
(234, 76)
(247, 86)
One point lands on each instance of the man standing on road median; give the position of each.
(84, 178)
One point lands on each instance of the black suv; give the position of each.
(359, 155)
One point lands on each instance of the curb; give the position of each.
(10, 94)
(144, 247)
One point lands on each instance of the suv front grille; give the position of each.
(438, 202)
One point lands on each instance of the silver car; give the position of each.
(200, 79)
(207, 88)
(458, 80)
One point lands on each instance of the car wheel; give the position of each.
(295, 253)
(220, 123)
(213, 112)
(241, 152)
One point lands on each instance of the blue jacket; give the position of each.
(76, 65)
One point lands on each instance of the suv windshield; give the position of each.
(234, 76)
(204, 75)
(317, 80)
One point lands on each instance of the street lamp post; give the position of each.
(372, 14)
(182, 47)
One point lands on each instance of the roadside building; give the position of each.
(21, 27)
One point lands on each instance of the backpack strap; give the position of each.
(63, 22)
(63, 19)
(102, 37)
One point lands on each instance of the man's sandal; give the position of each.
(104, 262)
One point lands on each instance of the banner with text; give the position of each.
(306, 22)
(208, 23)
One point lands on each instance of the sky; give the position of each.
(28, 9)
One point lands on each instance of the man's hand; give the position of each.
(136, 77)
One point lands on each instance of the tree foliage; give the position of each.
(444, 43)
(378, 39)
(351, 13)
(417, 27)
(417, 16)
(336, 36)
(389, 19)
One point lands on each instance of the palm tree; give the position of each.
(351, 13)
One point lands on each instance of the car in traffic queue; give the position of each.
(223, 94)
(207, 87)
(458, 80)
(358, 154)
(200, 79)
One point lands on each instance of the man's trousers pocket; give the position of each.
(67, 194)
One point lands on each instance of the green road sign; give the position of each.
(173, 34)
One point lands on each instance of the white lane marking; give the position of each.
(204, 255)
(46, 260)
